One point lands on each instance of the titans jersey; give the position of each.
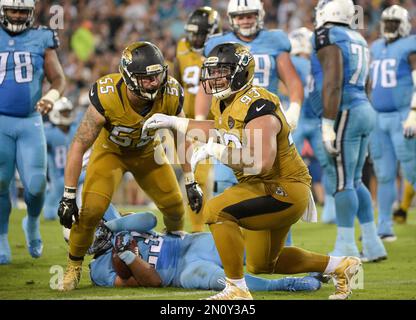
(391, 74)
(58, 143)
(266, 48)
(21, 69)
(189, 63)
(247, 105)
(356, 58)
(123, 128)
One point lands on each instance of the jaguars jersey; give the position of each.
(356, 60)
(391, 74)
(247, 105)
(57, 145)
(21, 69)
(266, 48)
(122, 131)
(190, 63)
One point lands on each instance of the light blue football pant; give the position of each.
(22, 146)
(387, 145)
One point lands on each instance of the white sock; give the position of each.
(240, 283)
(332, 264)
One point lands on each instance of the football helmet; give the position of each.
(143, 62)
(337, 11)
(228, 69)
(239, 7)
(201, 24)
(17, 25)
(300, 40)
(62, 112)
(395, 22)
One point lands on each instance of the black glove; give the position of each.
(68, 208)
(195, 195)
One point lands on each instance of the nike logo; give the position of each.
(92, 92)
(259, 109)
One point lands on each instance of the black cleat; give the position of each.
(400, 216)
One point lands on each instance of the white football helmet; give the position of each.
(237, 7)
(62, 112)
(337, 11)
(395, 13)
(300, 40)
(16, 26)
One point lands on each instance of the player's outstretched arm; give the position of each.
(56, 77)
(409, 126)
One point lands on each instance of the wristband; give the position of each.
(200, 117)
(189, 177)
(52, 95)
(70, 192)
(127, 256)
(215, 150)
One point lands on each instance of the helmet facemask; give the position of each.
(216, 79)
(395, 23)
(17, 25)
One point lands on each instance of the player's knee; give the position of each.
(37, 185)
(92, 212)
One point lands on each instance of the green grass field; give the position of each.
(28, 278)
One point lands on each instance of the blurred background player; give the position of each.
(27, 55)
(120, 103)
(300, 40)
(340, 67)
(190, 262)
(59, 134)
(271, 51)
(202, 23)
(393, 96)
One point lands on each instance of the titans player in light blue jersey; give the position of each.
(340, 67)
(393, 78)
(27, 55)
(300, 40)
(59, 134)
(189, 261)
(271, 51)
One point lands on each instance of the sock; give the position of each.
(139, 222)
(408, 195)
(5, 209)
(386, 194)
(332, 264)
(365, 208)
(368, 231)
(328, 214)
(346, 206)
(289, 241)
(4, 244)
(240, 283)
(32, 227)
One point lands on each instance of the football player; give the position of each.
(120, 103)
(300, 40)
(271, 51)
(27, 55)
(190, 262)
(340, 62)
(273, 190)
(393, 77)
(202, 23)
(59, 134)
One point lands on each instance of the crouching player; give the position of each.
(189, 261)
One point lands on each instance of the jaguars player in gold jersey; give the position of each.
(202, 23)
(273, 191)
(120, 103)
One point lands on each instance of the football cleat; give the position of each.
(400, 216)
(388, 237)
(231, 292)
(72, 275)
(366, 259)
(344, 274)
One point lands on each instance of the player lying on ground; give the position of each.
(129, 253)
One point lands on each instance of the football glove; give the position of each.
(204, 151)
(195, 196)
(68, 209)
(160, 120)
(329, 136)
(409, 126)
(292, 115)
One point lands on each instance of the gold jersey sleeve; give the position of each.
(122, 132)
(190, 63)
(247, 105)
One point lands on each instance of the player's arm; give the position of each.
(293, 83)
(409, 126)
(331, 61)
(202, 104)
(177, 71)
(88, 130)
(55, 76)
(144, 275)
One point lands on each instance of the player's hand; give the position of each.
(44, 106)
(201, 152)
(195, 196)
(329, 136)
(292, 115)
(67, 211)
(160, 120)
(409, 126)
(122, 241)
